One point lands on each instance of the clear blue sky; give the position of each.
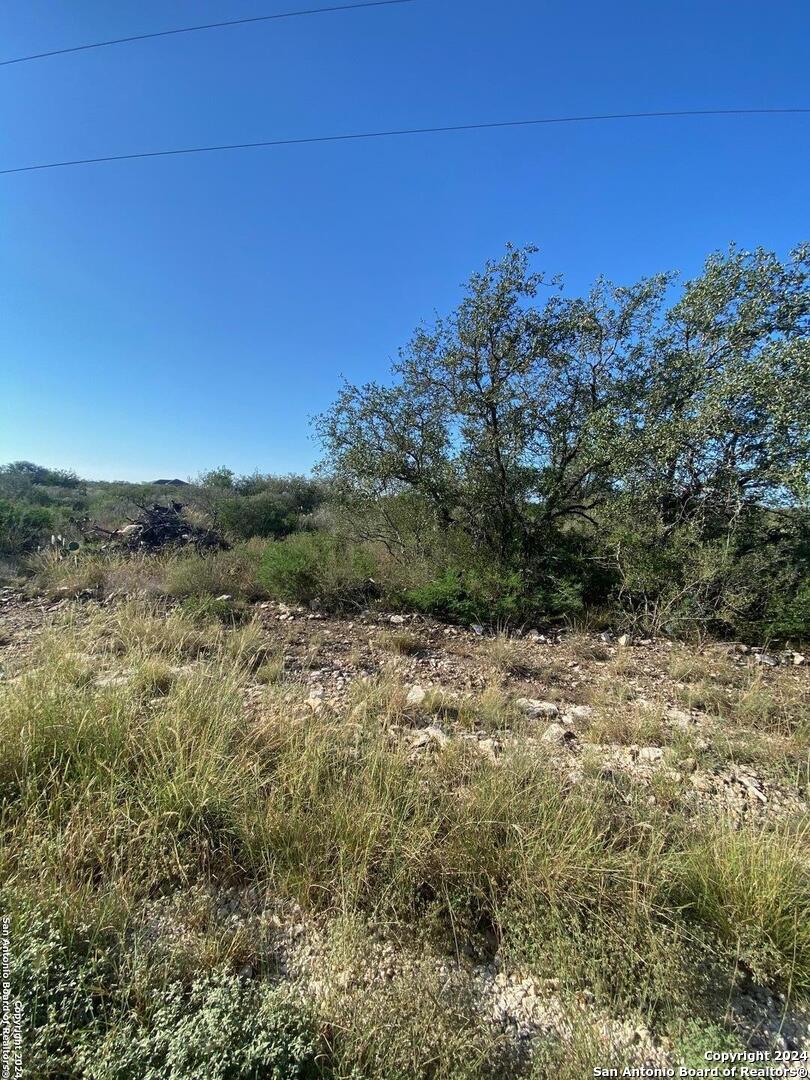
(161, 317)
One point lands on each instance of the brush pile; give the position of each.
(159, 527)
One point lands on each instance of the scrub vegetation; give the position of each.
(484, 752)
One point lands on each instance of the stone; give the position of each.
(680, 718)
(416, 695)
(752, 787)
(650, 753)
(624, 640)
(397, 620)
(534, 708)
(427, 736)
(558, 735)
(799, 659)
(579, 712)
(767, 659)
(488, 748)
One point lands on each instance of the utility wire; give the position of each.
(203, 26)
(406, 131)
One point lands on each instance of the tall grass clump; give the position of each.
(753, 888)
(170, 573)
(234, 571)
(55, 574)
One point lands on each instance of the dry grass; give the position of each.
(713, 665)
(583, 647)
(510, 656)
(633, 724)
(131, 771)
(753, 888)
(178, 574)
(401, 643)
(625, 663)
(271, 671)
(779, 706)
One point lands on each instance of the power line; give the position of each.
(203, 26)
(406, 131)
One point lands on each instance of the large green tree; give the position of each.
(502, 415)
(723, 408)
(644, 412)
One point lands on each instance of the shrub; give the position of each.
(748, 581)
(788, 616)
(263, 514)
(79, 1021)
(60, 987)
(492, 595)
(470, 596)
(312, 567)
(222, 1027)
(696, 1038)
(27, 473)
(22, 528)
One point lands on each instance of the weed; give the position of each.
(753, 888)
(401, 643)
(640, 724)
(510, 656)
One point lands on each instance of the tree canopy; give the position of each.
(511, 417)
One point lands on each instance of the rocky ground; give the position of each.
(715, 730)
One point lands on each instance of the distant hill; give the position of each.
(173, 483)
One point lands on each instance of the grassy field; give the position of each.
(247, 841)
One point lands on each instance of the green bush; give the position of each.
(751, 582)
(79, 1020)
(223, 1028)
(22, 528)
(494, 596)
(263, 514)
(312, 567)
(27, 473)
(788, 616)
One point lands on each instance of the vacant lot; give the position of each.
(252, 840)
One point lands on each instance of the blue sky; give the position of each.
(162, 317)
